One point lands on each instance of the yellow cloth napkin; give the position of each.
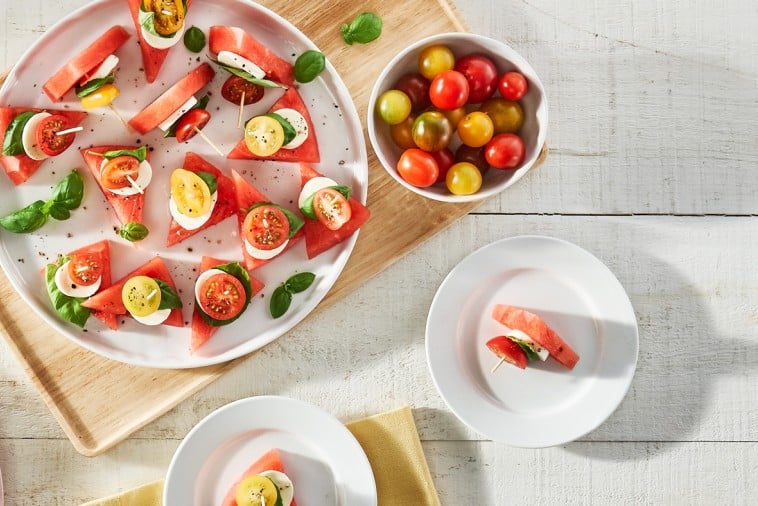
(391, 443)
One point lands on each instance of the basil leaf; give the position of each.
(69, 308)
(12, 144)
(201, 104)
(307, 208)
(210, 180)
(299, 282)
(309, 65)
(239, 272)
(289, 131)
(92, 86)
(28, 219)
(363, 29)
(69, 191)
(280, 302)
(266, 83)
(194, 39)
(133, 231)
(169, 298)
(139, 153)
(58, 211)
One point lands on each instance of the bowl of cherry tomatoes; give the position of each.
(457, 117)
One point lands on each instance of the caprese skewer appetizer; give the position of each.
(160, 26)
(263, 483)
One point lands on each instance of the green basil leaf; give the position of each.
(363, 29)
(289, 131)
(69, 308)
(239, 272)
(140, 153)
(266, 83)
(92, 86)
(280, 302)
(58, 211)
(169, 298)
(133, 231)
(299, 282)
(12, 144)
(69, 192)
(210, 180)
(28, 219)
(309, 65)
(194, 39)
(530, 353)
(307, 208)
(201, 104)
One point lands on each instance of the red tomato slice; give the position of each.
(85, 269)
(266, 227)
(332, 208)
(235, 86)
(191, 120)
(508, 350)
(114, 173)
(222, 296)
(50, 143)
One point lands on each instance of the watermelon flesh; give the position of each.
(536, 328)
(238, 41)
(271, 461)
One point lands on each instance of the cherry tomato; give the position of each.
(257, 490)
(512, 86)
(431, 131)
(509, 351)
(507, 116)
(402, 133)
(332, 208)
(103, 96)
(481, 75)
(435, 59)
(463, 179)
(235, 86)
(505, 151)
(449, 90)
(264, 135)
(168, 15)
(85, 269)
(190, 193)
(416, 87)
(418, 167)
(222, 296)
(454, 116)
(116, 172)
(475, 129)
(472, 155)
(266, 227)
(393, 106)
(445, 159)
(141, 295)
(190, 122)
(46, 135)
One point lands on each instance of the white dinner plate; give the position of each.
(320, 455)
(343, 158)
(545, 404)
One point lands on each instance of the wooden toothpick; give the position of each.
(135, 185)
(121, 118)
(70, 130)
(242, 105)
(497, 365)
(206, 139)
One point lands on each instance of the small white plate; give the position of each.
(322, 458)
(545, 404)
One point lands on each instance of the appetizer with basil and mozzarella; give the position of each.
(160, 26)
(266, 229)
(332, 215)
(264, 482)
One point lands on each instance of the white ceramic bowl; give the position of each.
(534, 103)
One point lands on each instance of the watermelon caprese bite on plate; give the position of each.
(264, 482)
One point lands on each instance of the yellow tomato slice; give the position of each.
(264, 136)
(141, 296)
(257, 490)
(101, 97)
(190, 193)
(169, 15)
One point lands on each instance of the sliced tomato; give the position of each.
(331, 208)
(48, 140)
(508, 351)
(222, 296)
(116, 172)
(190, 123)
(85, 268)
(234, 88)
(266, 227)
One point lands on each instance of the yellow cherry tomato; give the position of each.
(257, 490)
(169, 15)
(141, 296)
(475, 129)
(101, 97)
(190, 193)
(463, 178)
(435, 59)
(264, 135)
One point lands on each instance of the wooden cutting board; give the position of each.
(79, 386)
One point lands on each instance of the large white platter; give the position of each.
(545, 404)
(323, 459)
(343, 158)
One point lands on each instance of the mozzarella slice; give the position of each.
(143, 179)
(191, 223)
(153, 319)
(202, 278)
(312, 186)
(240, 62)
(523, 336)
(29, 136)
(161, 42)
(177, 114)
(298, 122)
(68, 287)
(104, 69)
(283, 483)
(264, 254)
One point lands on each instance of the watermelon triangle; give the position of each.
(20, 167)
(270, 461)
(127, 207)
(306, 152)
(318, 238)
(238, 41)
(225, 203)
(246, 196)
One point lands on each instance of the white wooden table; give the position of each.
(653, 168)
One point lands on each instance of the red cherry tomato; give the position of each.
(46, 135)
(445, 159)
(222, 296)
(192, 121)
(416, 87)
(509, 351)
(481, 75)
(85, 269)
(116, 172)
(266, 227)
(235, 86)
(418, 167)
(512, 86)
(449, 90)
(505, 151)
(332, 208)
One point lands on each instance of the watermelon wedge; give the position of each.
(238, 41)
(20, 167)
(536, 328)
(270, 461)
(306, 152)
(318, 238)
(127, 207)
(109, 300)
(225, 203)
(246, 196)
(201, 331)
